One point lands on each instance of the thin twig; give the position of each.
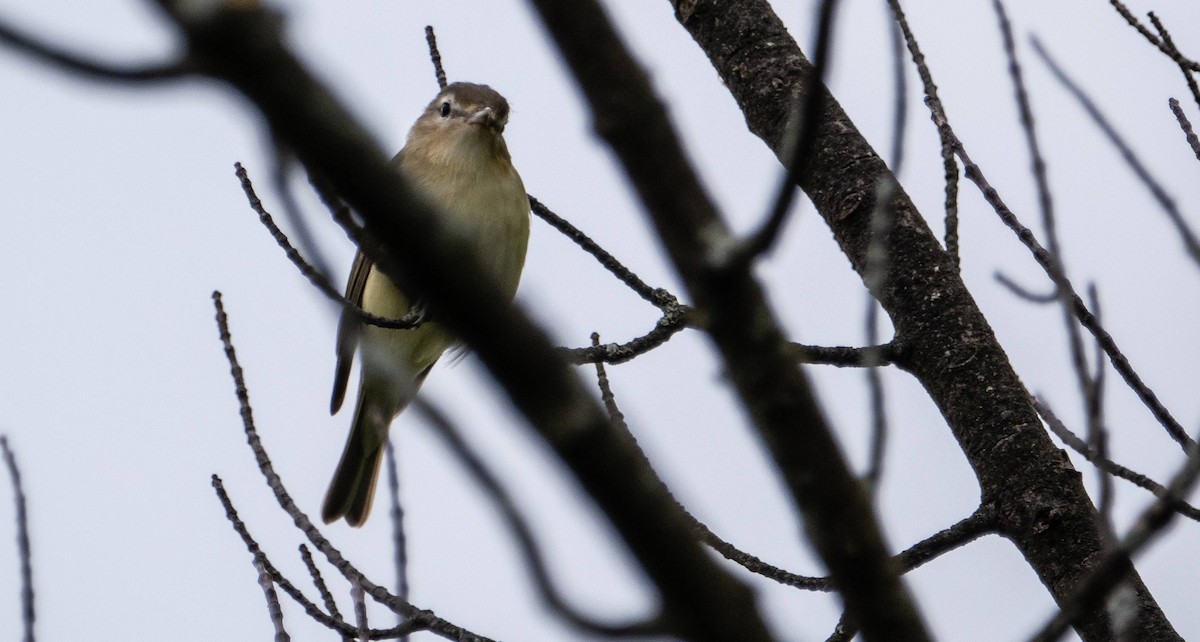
(878, 263)
(978, 524)
(804, 120)
(673, 321)
(1190, 242)
(1023, 292)
(262, 561)
(1136, 24)
(1074, 442)
(1150, 37)
(1120, 363)
(521, 530)
(725, 549)
(273, 609)
(674, 314)
(1097, 430)
(879, 425)
(322, 588)
(360, 611)
(24, 551)
(1075, 344)
(280, 172)
(938, 115)
(435, 57)
(417, 619)
(981, 522)
(1186, 126)
(1118, 563)
(655, 296)
(1180, 61)
(399, 540)
(606, 393)
(314, 275)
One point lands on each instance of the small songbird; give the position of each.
(456, 157)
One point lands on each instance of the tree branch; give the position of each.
(838, 517)
(1040, 503)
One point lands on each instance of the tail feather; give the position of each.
(353, 486)
(352, 490)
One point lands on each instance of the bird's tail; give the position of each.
(353, 487)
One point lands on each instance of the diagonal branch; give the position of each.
(1040, 504)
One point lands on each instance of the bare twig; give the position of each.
(1097, 430)
(1190, 242)
(1023, 292)
(1136, 24)
(607, 397)
(804, 119)
(1186, 126)
(315, 276)
(674, 320)
(1074, 442)
(1182, 62)
(883, 217)
(981, 522)
(273, 608)
(521, 531)
(399, 541)
(280, 174)
(1117, 563)
(1120, 363)
(1078, 355)
(674, 313)
(656, 296)
(435, 57)
(978, 524)
(938, 114)
(879, 423)
(264, 563)
(358, 598)
(417, 619)
(24, 551)
(319, 581)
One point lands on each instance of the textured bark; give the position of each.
(1037, 497)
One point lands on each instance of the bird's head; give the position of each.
(465, 121)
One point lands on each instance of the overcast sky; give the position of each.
(121, 215)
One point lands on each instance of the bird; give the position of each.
(456, 158)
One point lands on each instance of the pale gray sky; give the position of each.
(121, 214)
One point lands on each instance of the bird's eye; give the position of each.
(445, 109)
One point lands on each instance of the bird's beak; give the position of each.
(485, 117)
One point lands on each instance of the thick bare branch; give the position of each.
(1040, 503)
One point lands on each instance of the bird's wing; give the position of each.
(349, 329)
